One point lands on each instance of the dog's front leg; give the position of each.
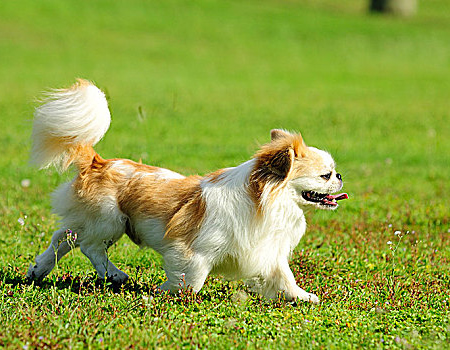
(282, 280)
(184, 273)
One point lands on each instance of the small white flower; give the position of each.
(21, 221)
(397, 233)
(389, 242)
(25, 183)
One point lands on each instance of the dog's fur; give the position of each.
(240, 222)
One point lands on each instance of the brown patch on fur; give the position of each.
(187, 220)
(140, 193)
(274, 162)
(83, 156)
(177, 202)
(96, 181)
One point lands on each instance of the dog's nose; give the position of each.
(339, 176)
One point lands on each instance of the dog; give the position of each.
(241, 222)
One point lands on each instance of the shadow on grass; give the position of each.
(78, 284)
(13, 281)
(90, 284)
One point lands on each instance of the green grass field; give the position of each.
(196, 86)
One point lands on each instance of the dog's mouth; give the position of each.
(325, 199)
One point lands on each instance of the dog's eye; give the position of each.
(326, 176)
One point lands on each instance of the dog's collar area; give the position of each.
(323, 198)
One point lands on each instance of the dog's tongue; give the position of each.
(337, 197)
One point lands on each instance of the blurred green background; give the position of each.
(213, 77)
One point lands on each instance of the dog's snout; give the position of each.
(339, 176)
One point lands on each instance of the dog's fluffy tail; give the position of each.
(69, 123)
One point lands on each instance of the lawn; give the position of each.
(197, 86)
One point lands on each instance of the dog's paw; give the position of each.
(312, 298)
(33, 275)
(117, 278)
(305, 296)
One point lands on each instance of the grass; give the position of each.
(196, 86)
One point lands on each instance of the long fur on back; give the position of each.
(68, 124)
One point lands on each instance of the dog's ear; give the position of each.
(299, 146)
(296, 140)
(276, 134)
(280, 162)
(273, 162)
(276, 158)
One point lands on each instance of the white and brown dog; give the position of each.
(241, 222)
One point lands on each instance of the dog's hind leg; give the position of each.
(45, 262)
(98, 256)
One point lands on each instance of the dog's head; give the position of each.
(307, 172)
